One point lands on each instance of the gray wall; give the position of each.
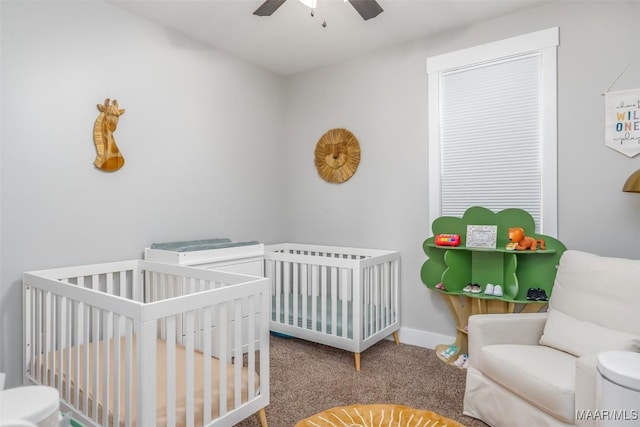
(200, 135)
(202, 132)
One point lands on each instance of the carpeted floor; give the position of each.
(307, 378)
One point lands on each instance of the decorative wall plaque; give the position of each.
(622, 122)
(337, 155)
(108, 156)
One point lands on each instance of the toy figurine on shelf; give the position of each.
(447, 240)
(522, 242)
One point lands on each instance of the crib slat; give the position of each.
(145, 387)
(334, 301)
(37, 344)
(278, 281)
(388, 289)
(79, 310)
(374, 299)
(85, 356)
(189, 359)
(62, 336)
(30, 326)
(237, 353)
(295, 267)
(275, 266)
(344, 291)
(96, 361)
(170, 370)
(207, 361)
(117, 367)
(315, 271)
(223, 339)
(49, 336)
(286, 289)
(128, 373)
(106, 373)
(70, 335)
(304, 286)
(357, 316)
(323, 300)
(251, 348)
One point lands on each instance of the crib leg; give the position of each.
(356, 356)
(262, 414)
(396, 337)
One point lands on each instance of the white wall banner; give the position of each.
(622, 121)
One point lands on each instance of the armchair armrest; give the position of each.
(586, 385)
(509, 328)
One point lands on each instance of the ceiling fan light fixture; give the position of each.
(367, 9)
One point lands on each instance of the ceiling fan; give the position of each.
(366, 8)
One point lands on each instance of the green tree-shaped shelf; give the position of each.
(516, 271)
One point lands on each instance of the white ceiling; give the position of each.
(291, 41)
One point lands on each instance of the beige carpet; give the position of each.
(308, 378)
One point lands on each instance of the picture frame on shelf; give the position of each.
(482, 236)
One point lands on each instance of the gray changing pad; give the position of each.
(200, 245)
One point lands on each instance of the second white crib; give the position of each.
(342, 297)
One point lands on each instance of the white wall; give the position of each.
(382, 99)
(200, 136)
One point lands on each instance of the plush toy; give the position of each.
(516, 235)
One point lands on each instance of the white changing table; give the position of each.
(211, 254)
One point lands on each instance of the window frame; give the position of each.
(545, 43)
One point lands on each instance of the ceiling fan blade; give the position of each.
(367, 8)
(268, 7)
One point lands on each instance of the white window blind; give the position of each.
(490, 137)
(492, 129)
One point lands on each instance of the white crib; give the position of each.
(341, 297)
(132, 343)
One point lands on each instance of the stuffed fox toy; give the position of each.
(516, 235)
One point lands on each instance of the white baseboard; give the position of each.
(424, 339)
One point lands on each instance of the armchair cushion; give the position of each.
(541, 375)
(580, 337)
(597, 289)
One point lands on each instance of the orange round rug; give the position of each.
(375, 416)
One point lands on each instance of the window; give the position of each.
(493, 128)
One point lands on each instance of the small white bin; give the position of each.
(31, 405)
(618, 389)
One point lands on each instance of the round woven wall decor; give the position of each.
(337, 155)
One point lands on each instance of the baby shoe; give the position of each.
(460, 360)
(542, 295)
(467, 288)
(497, 291)
(488, 290)
(465, 365)
(475, 288)
(449, 351)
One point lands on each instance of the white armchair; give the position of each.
(540, 369)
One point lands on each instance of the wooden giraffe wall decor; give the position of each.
(108, 156)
